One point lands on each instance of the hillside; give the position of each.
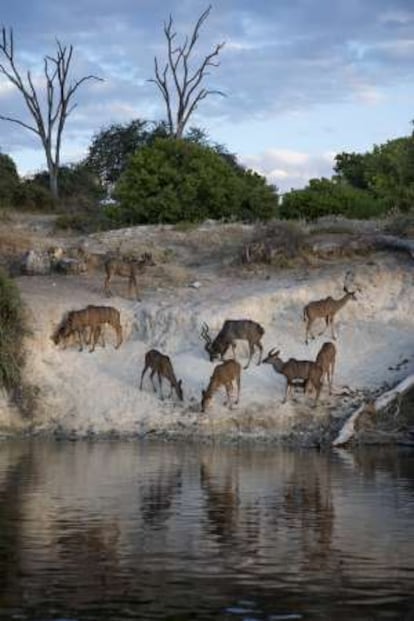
(198, 278)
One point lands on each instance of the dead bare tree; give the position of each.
(181, 85)
(50, 115)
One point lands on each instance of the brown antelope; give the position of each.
(325, 309)
(161, 364)
(128, 269)
(233, 329)
(77, 322)
(305, 370)
(223, 375)
(326, 360)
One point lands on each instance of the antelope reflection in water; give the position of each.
(307, 499)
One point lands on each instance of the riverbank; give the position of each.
(79, 394)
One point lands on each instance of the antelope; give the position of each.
(126, 268)
(223, 375)
(161, 364)
(306, 370)
(93, 317)
(326, 309)
(326, 360)
(233, 329)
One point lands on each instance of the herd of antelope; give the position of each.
(86, 326)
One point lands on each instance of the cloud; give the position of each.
(290, 169)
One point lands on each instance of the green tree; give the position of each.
(171, 180)
(9, 180)
(323, 197)
(112, 148)
(351, 167)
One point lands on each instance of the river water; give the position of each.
(133, 530)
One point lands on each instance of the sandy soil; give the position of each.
(80, 393)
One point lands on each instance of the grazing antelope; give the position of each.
(326, 360)
(161, 364)
(77, 322)
(325, 309)
(128, 269)
(233, 329)
(305, 370)
(223, 375)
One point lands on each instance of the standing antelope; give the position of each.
(161, 364)
(232, 330)
(126, 268)
(325, 309)
(326, 360)
(92, 318)
(307, 371)
(223, 375)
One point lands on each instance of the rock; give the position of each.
(36, 262)
(71, 266)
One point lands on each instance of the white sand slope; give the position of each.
(82, 393)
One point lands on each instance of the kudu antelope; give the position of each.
(92, 318)
(326, 360)
(161, 364)
(233, 329)
(223, 375)
(294, 370)
(126, 268)
(325, 309)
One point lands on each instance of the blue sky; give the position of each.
(304, 79)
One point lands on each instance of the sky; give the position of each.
(303, 79)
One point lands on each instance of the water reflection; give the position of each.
(129, 530)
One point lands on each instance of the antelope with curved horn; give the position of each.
(233, 329)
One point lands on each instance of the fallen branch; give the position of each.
(348, 429)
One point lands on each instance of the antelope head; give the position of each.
(179, 390)
(351, 294)
(271, 356)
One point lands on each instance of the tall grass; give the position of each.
(12, 331)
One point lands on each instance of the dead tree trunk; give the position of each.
(180, 86)
(49, 123)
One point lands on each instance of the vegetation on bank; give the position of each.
(135, 173)
(12, 332)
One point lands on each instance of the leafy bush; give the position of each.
(30, 196)
(172, 180)
(9, 180)
(12, 331)
(324, 197)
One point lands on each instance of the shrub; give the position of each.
(324, 197)
(31, 196)
(172, 180)
(12, 331)
(9, 180)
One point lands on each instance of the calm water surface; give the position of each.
(128, 530)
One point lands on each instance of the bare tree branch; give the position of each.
(183, 92)
(48, 125)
